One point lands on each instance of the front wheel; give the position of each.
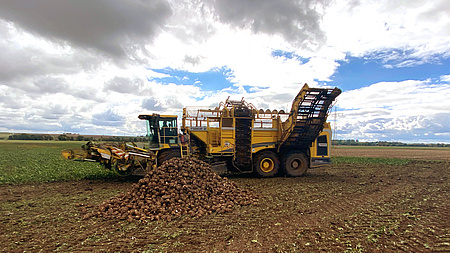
(266, 164)
(166, 155)
(295, 164)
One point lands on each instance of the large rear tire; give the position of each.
(295, 164)
(167, 155)
(266, 164)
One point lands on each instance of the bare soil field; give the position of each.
(405, 153)
(337, 208)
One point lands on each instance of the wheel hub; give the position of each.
(267, 165)
(295, 164)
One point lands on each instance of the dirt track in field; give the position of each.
(404, 153)
(338, 208)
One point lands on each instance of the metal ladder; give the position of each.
(185, 151)
(185, 147)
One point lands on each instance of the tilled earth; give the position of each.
(397, 152)
(342, 207)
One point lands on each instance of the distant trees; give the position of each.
(74, 137)
(44, 137)
(64, 137)
(80, 138)
(387, 143)
(346, 142)
(122, 138)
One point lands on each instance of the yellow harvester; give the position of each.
(233, 137)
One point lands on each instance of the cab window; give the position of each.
(168, 130)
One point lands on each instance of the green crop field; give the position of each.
(40, 161)
(370, 160)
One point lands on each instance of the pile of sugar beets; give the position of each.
(180, 186)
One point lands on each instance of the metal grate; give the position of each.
(312, 112)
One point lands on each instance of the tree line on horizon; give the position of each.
(71, 137)
(65, 137)
(386, 143)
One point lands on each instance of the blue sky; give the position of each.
(211, 80)
(354, 72)
(351, 73)
(93, 67)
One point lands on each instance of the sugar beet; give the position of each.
(178, 187)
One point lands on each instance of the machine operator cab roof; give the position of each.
(161, 129)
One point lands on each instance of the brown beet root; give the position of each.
(178, 187)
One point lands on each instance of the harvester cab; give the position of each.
(162, 131)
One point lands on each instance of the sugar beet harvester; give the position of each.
(233, 137)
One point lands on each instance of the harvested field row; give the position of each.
(343, 207)
(404, 153)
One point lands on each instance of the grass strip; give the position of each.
(370, 160)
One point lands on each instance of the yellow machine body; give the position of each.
(238, 130)
(321, 147)
(235, 136)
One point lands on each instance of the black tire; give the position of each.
(167, 155)
(266, 164)
(295, 164)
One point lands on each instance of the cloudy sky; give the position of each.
(91, 67)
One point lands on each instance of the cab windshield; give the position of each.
(162, 130)
(152, 134)
(168, 130)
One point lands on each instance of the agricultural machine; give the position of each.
(233, 137)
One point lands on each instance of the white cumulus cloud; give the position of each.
(87, 66)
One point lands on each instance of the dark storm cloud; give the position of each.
(19, 62)
(39, 87)
(108, 118)
(297, 21)
(106, 25)
(23, 65)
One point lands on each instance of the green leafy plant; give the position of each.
(40, 161)
(371, 160)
